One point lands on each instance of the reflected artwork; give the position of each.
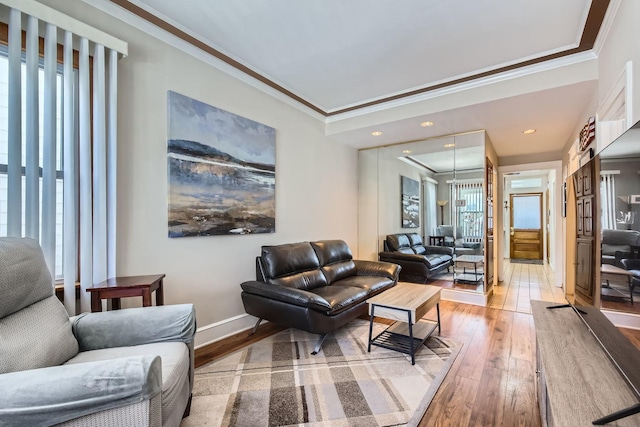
(221, 170)
(410, 202)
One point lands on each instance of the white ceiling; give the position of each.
(338, 55)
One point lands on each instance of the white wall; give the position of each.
(316, 181)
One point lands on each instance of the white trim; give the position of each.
(216, 331)
(60, 20)
(176, 42)
(615, 113)
(623, 320)
(609, 172)
(433, 181)
(464, 297)
(607, 24)
(471, 84)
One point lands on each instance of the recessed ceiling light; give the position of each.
(425, 124)
(528, 131)
(449, 145)
(376, 133)
(406, 151)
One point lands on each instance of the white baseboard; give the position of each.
(213, 332)
(623, 320)
(465, 297)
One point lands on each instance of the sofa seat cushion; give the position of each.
(340, 298)
(434, 260)
(175, 368)
(371, 284)
(608, 249)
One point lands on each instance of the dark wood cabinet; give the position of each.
(585, 248)
(584, 266)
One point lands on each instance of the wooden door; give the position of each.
(526, 226)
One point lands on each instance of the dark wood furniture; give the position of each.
(436, 240)
(128, 286)
(585, 245)
(576, 381)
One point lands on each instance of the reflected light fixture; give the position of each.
(449, 145)
(406, 151)
(426, 124)
(442, 204)
(528, 131)
(376, 133)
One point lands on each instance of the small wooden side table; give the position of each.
(127, 286)
(436, 240)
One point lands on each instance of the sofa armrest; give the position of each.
(377, 268)
(293, 296)
(134, 326)
(395, 256)
(444, 250)
(46, 396)
(630, 263)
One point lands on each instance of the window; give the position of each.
(468, 205)
(4, 108)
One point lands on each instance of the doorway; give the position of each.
(526, 226)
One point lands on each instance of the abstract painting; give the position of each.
(410, 190)
(222, 171)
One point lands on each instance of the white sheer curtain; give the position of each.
(608, 193)
(430, 208)
(51, 152)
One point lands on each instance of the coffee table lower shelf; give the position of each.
(397, 337)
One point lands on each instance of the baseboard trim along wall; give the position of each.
(623, 320)
(217, 331)
(465, 297)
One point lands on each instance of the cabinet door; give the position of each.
(579, 217)
(588, 216)
(587, 180)
(577, 182)
(584, 264)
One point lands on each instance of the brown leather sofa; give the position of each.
(616, 245)
(314, 286)
(419, 263)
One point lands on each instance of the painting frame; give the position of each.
(221, 171)
(409, 202)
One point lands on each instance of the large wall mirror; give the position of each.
(619, 203)
(435, 188)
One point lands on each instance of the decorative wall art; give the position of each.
(221, 171)
(410, 190)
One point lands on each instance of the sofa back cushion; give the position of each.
(294, 265)
(35, 331)
(24, 275)
(395, 242)
(335, 258)
(618, 240)
(414, 239)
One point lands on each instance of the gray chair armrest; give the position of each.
(135, 326)
(42, 397)
(293, 296)
(377, 268)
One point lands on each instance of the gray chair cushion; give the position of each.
(24, 276)
(175, 366)
(37, 336)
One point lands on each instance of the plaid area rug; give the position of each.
(277, 382)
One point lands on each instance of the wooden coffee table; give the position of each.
(405, 303)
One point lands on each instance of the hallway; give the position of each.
(524, 282)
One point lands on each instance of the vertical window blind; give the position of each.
(58, 143)
(467, 208)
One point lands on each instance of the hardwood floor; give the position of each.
(491, 382)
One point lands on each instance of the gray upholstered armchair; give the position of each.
(457, 242)
(117, 368)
